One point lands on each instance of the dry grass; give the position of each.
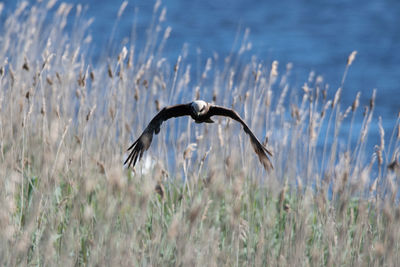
(66, 198)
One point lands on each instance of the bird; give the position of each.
(201, 112)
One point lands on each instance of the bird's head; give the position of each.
(199, 107)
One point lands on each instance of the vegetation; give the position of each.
(199, 196)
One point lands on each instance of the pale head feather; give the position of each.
(199, 106)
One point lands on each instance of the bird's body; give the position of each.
(201, 112)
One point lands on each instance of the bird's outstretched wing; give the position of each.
(144, 141)
(260, 150)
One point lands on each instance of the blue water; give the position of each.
(313, 35)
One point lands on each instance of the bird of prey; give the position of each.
(200, 111)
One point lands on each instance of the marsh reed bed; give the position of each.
(199, 196)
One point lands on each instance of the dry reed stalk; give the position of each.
(95, 213)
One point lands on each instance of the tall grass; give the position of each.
(199, 196)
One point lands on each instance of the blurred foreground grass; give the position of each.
(199, 196)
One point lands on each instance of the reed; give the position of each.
(199, 196)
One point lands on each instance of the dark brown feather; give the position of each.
(260, 150)
(144, 141)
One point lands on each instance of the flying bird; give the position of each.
(200, 111)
